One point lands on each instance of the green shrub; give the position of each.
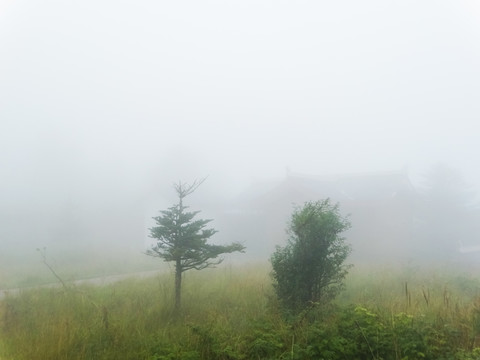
(310, 268)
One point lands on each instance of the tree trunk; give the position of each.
(178, 284)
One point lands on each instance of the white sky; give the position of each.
(103, 99)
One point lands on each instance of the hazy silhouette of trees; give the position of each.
(445, 213)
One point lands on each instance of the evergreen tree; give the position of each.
(183, 240)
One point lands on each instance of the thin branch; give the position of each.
(184, 189)
(44, 260)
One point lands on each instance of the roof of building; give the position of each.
(340, 188)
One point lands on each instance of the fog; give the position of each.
(105, 104)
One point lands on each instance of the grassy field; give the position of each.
(231, 313)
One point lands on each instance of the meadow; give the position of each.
(231, 313)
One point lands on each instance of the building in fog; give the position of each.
(380, 207)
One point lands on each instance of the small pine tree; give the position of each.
(310, 268)
(183, 240)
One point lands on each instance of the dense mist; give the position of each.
(105, 104)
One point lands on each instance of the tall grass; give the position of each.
(231, 313)
(132, 318)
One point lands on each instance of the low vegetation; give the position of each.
(232, 313)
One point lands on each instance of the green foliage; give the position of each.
(265, 341)
(183, 240)
(310, 268)
(226, 316)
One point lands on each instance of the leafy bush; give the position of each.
(310, 268)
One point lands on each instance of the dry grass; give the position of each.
(224, 310)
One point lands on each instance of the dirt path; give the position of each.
(104, 280)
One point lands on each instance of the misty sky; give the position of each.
(112, 101)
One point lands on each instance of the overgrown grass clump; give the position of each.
(231, 313)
